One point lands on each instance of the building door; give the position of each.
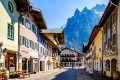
(113, 66)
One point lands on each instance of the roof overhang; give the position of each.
(110, 7)
(50, 42)
(22, 5)
(93, 34)
(39, 19)
(58, 32)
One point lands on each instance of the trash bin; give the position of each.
(6, 74)
(116, 75)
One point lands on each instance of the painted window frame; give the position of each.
(10, 31)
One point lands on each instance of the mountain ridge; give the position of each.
(79, 27)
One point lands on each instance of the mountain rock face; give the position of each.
(79, 27)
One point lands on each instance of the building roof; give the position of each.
(58, 32)
(93, 34)
(72, 50)
(22, 5)
(50, 42)
(110, 7)
(85, 47)
(85, 43)
(39, 19)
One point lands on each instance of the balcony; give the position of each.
(68, 61)
(69, 56)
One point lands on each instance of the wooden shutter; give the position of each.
(110, 30)
(26, 43)
(20, 40)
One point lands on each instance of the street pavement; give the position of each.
(66, 73)
(83, 75)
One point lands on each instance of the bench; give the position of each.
(23, 73)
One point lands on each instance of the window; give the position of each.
(10, 7)
(107, 65)
(33, 29)
(33, 45)
(41, 49)
(22, 20)
(37, 32)
(114, 39)
(109, 43)
(30, 44)
(10, 32)
(36, 46)
(114, 18)
(24, 41)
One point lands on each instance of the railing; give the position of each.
(68, 56)
(68, 61)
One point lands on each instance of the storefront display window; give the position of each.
(12, 62)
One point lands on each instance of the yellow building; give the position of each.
(9, 34)
(109, 24)
(96, 43)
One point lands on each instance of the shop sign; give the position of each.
(12, 68)
(23, 51)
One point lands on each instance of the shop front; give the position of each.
(11, 62)
(24, 60)
(34, 61)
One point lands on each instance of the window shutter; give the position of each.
(26, 22)
(20, 40)
(28, 43)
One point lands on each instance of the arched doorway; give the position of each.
(113, 66)
(42, 66)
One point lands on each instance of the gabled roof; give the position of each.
(72, 50)
(39, 19)
(85, 43)
(58, 32)
(110, 7)
(85, 47)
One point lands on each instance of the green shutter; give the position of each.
(28, 43)
(32, 45)
(20, 40)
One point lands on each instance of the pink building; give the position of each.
(30, 24)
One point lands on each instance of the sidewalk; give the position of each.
(38, 75)
(83, 75)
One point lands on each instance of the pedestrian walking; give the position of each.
(72, 66)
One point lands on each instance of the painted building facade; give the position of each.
(9, 34)
(69, 57)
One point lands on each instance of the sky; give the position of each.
(56, 12)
